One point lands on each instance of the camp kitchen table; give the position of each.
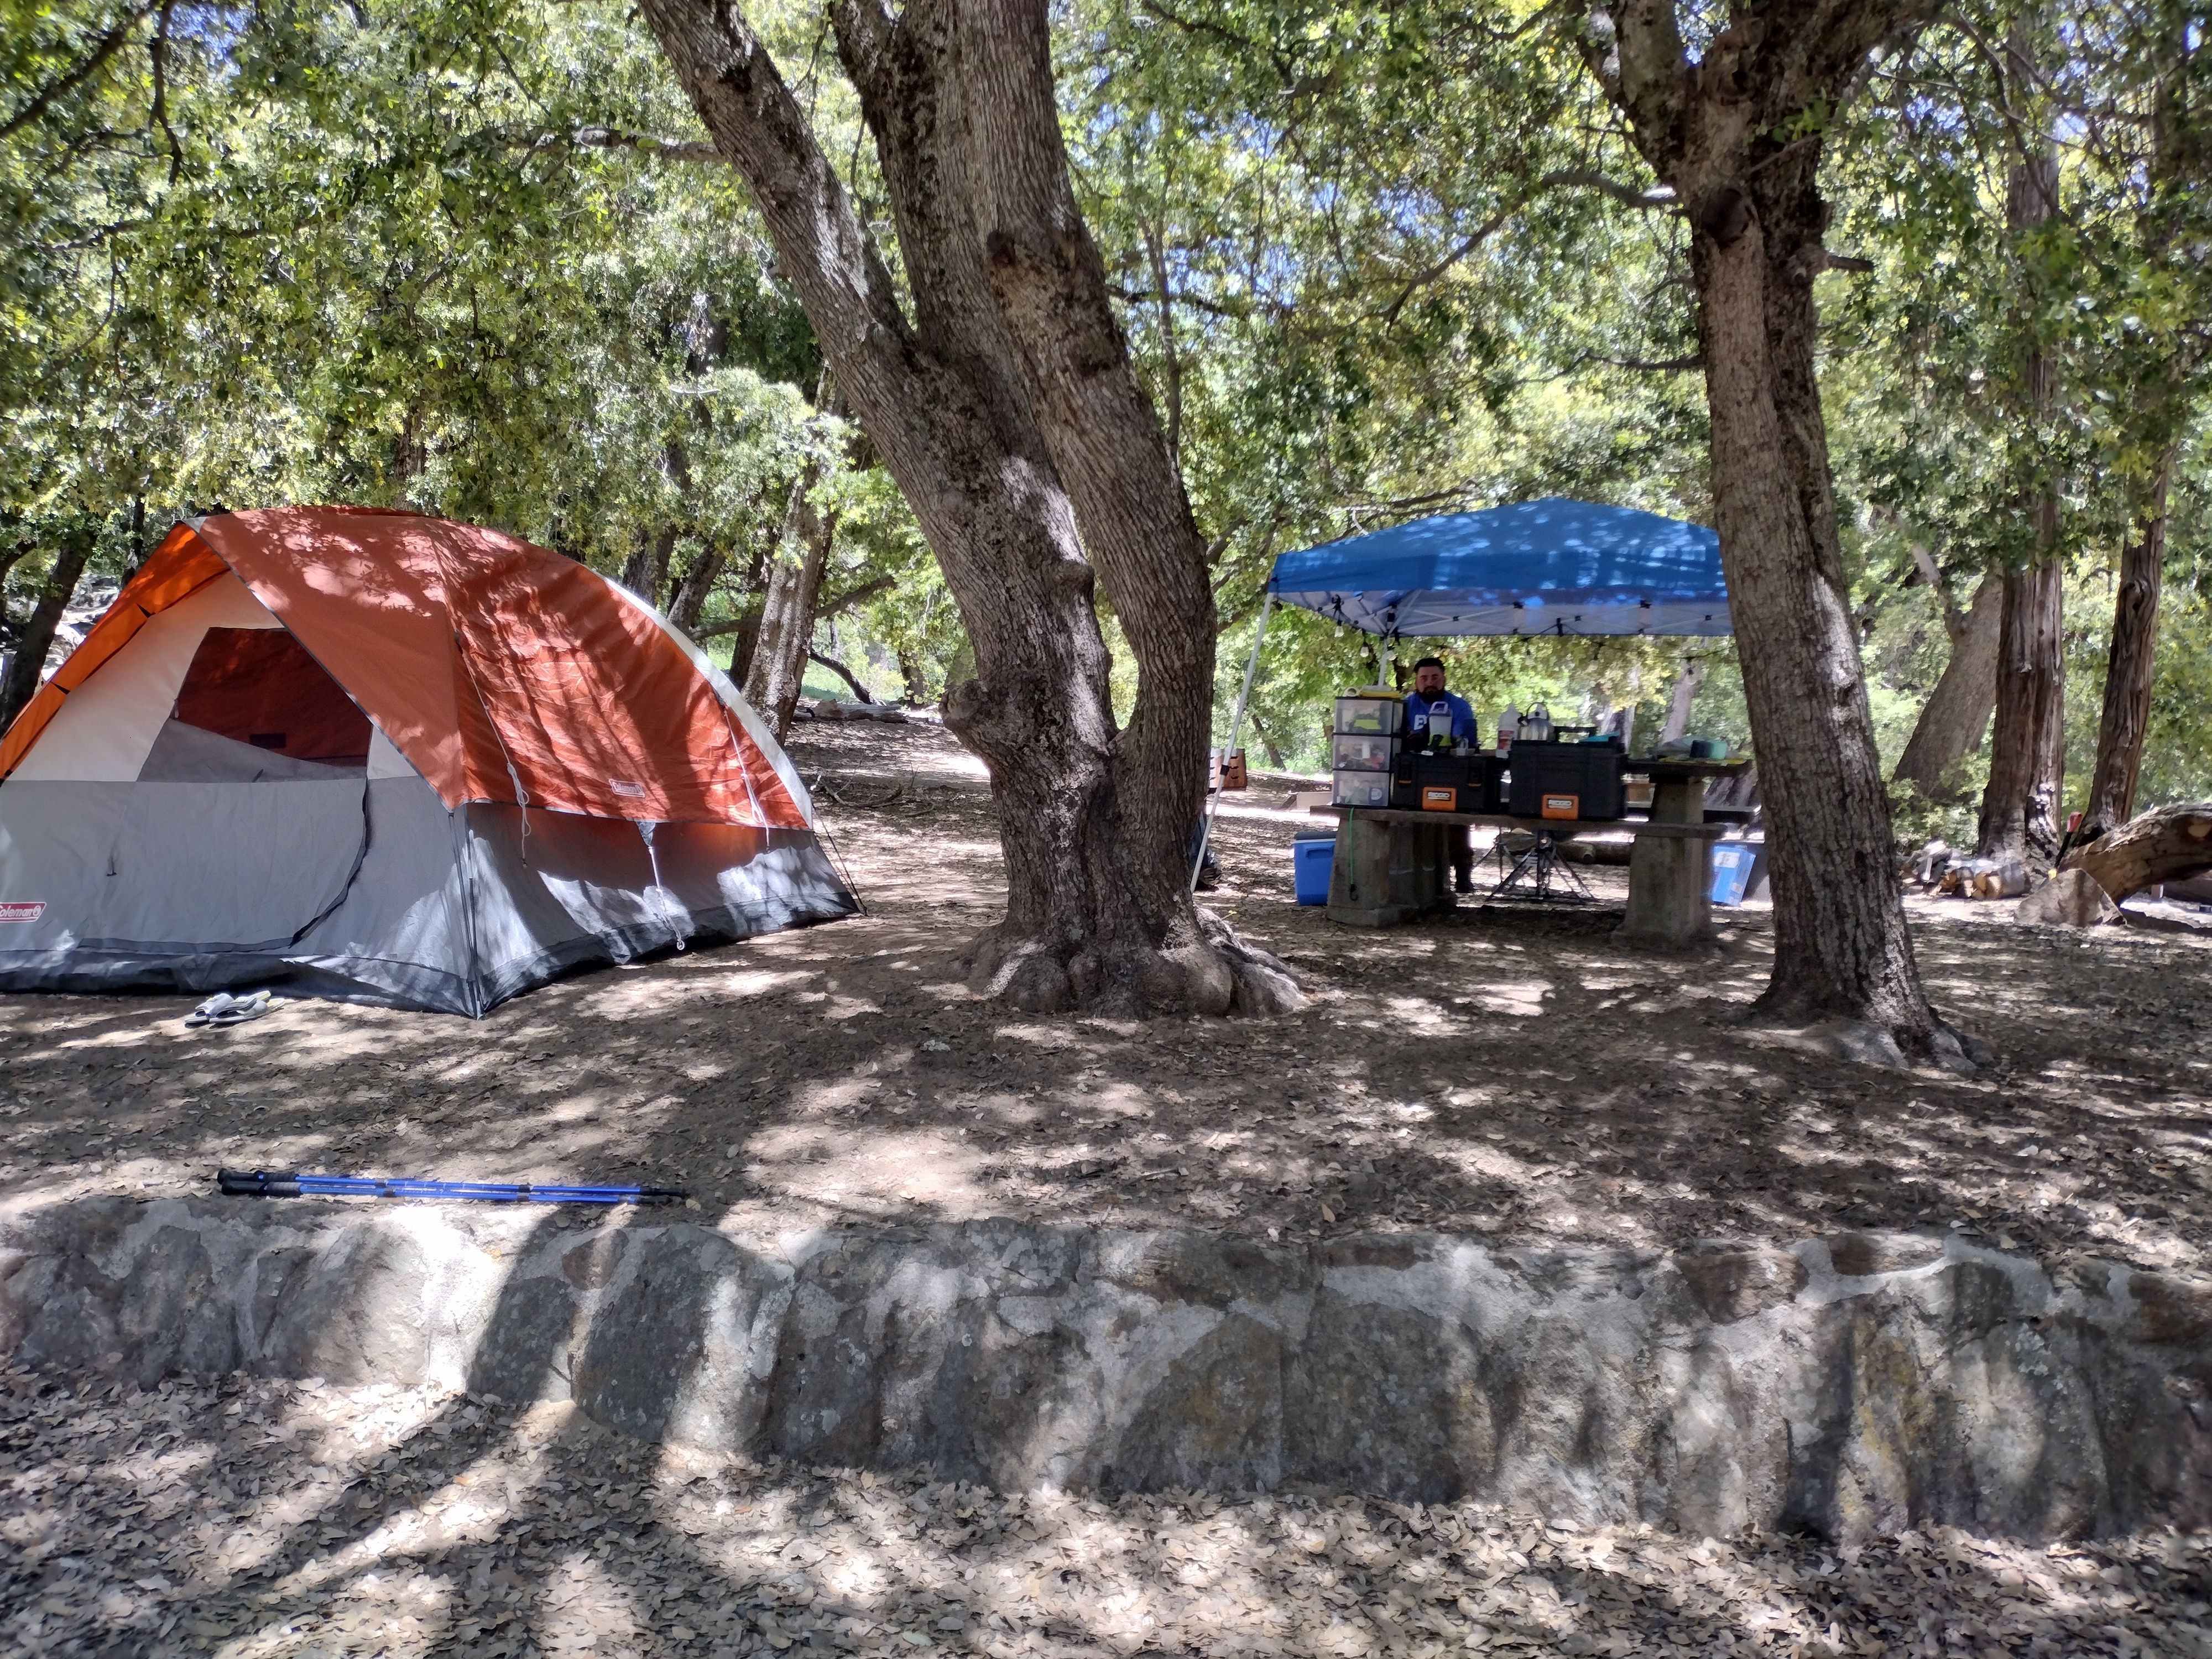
(1391, 865)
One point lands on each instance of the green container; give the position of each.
(1378, 715)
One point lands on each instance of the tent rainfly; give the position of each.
(385, 759)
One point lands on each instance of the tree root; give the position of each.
(1218, 973)
(1265, 983)
(1870, 1042)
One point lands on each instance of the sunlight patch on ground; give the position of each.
(839, 1094)
(1519, 999)
(872, 1171)
(616, 999)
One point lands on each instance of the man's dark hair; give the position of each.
(1436, 663)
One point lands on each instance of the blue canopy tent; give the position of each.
(1566, 569)
(1548, 567)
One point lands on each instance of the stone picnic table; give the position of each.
(1391, 866)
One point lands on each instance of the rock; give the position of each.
(1841, 1386)
(2071, 898)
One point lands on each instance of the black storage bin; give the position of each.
(1589, 771)
(1473, 777)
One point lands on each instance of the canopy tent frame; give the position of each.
(1599, 572)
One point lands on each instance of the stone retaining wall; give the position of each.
(1845, 1385)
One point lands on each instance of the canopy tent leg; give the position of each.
(1235, 734)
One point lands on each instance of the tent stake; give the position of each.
(1236, 732)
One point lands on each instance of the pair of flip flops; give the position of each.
(224, 1009)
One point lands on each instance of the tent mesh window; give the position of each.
(255, 707)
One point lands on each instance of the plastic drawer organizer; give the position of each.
(1361, 788)
(1365, 749)
(1377, 715)
(1362, 751)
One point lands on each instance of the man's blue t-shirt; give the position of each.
(1421, 710)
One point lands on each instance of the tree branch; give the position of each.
(107, 48)
(1235, 311)
(1634, 48)
(1651, 365)
(837, 604)
(843, 673)
(1660, 195)
(1171, 360)
(715, 630)
(160, 54)
(824, 250)
(1923, 561)
(667, 149)
(1656, 196)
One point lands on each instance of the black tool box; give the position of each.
(1419, 778)
(1565, 780)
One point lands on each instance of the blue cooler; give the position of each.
(1733, 864)
(1310, 862)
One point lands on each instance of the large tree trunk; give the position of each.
(1724, 134)
(2028, 745)
(1106, 444)
(1682, 701)
(36, 636)
(1009, 414)
(1841, 945)
(688, 602)
(646, 572)
(778, 665)
(1957, 713)
(2128, 671)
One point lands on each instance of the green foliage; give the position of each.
(382, 253)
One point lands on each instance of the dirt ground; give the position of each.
(1499, 1070)
(253, 1519)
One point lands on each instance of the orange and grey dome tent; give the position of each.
(386, 758)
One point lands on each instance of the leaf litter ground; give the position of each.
(1498, 1072)
(251, 1518)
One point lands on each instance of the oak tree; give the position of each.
(1735, 131)
(995, 383)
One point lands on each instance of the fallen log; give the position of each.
(2166, 844)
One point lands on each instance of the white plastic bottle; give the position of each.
(1508, 724)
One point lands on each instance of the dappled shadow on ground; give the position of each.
(245, 1517)
(1505, 1074)
(1501, 1072)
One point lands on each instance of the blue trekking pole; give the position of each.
(261, 1183)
